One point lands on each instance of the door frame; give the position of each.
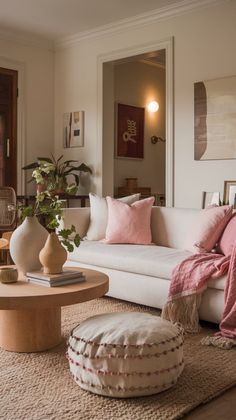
(20, 68)
(166, 44)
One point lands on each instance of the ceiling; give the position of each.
(55, 19)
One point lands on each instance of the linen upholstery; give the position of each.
(170, 225)
(169, 228)
(126, 354)
(149, 260)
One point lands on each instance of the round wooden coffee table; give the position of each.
(30, 315)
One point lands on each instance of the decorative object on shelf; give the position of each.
(26, 243)
(52, 256)
(131, 183)
(131, 187)
(52, 174)
(160, 199)
(210, 198)
(73, 129)
(130, 132)
(230, 193)
(8, 275)
(215, 119)
(155, 139)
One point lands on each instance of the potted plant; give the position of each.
(33, 243)
(52, 174)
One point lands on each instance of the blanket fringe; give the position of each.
(184, 310)
(221, 342)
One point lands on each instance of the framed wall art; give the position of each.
(209, 198)
(73, 129)
(129, 132)
(215, 119)
(229, 192)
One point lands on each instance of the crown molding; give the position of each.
(26, 39)
(153, 16)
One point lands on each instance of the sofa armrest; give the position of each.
(79, 217)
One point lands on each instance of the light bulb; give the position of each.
(153, 106)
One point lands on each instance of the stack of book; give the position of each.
(53, 280)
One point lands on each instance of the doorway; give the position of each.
(8, 127)
(138, 82)
(107, 117)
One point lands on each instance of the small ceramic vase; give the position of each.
(53, 255)
(26, 243)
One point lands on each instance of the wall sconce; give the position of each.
(155, 139)
(153, 106)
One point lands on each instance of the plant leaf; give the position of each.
(31, 166)
(84, 168)
(58, 160)
(77, 240)
(46, 159)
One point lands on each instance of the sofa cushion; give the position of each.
(207, 228)
(150, 260)
(228, 238)
(129, 224)
(99, 215)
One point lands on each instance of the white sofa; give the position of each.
(142, 273)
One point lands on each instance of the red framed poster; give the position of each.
(130, 132)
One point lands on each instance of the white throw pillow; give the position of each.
(99, 215)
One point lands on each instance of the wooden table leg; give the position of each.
(30, 330)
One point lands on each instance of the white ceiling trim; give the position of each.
(166, 12)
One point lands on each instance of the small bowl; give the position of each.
(8, 275)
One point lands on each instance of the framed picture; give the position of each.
(229, 192)
(130, 132)
(215, 119)
(210, 198)
(73, 129)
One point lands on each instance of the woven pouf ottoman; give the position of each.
(126, 354)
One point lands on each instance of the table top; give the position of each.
(25, 295)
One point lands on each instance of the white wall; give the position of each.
(37, 90)
(204, 45)
(138, 84)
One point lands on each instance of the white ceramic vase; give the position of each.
(26, 243)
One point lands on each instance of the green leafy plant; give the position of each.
(53, 173)
(48, 210)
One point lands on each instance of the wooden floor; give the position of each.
(221, 408)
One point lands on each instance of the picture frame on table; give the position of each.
(210, 198)
(129, 131)
(230, 192)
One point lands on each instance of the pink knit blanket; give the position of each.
(189, 280)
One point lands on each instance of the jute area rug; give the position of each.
(38, 386)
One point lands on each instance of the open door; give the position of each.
(8, 128)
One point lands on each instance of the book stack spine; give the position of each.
(53, 280)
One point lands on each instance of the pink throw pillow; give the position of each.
(228, 238)
(129, 224)
(208, 228)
